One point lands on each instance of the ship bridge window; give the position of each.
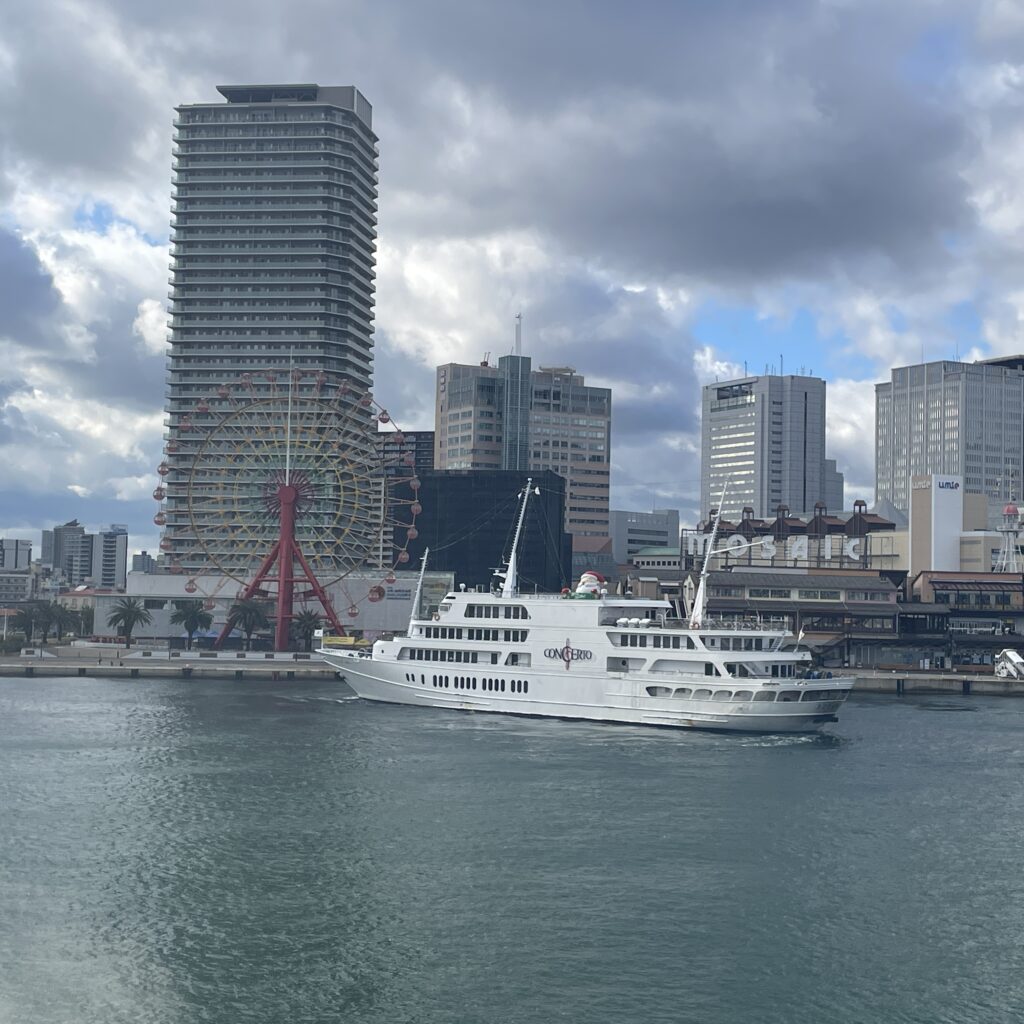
(764, 695)
(738, 670)
(659, 691)
(743, 695)
(496, 611)
(817, 695)
(672, 642)
(701, 694)
(788, 696)
(682, 692)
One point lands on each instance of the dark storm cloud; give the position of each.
(734, 141)
(721, 146)
(622, 338)
(403, 385)
(28, 299)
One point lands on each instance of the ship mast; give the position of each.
(701, 597)
(419, 592)
(508, 588)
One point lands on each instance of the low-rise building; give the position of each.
(15, 586)
(366, 604)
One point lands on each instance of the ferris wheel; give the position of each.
(285, 484)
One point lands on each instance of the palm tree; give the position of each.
(128, 613)
(305, 624)
(25, 620)
(63, 619)
(249, 615)
(45, 616)
(191, 616)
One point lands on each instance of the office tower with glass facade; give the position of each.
(763, 442)
(957, 419)
(494, 417)
(273, 248)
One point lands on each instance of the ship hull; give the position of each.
(611, 699)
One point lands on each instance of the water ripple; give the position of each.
(266, 853)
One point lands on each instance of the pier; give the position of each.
(134, 663)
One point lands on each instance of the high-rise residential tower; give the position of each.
(274, 236)
(763, 441)
(959, 419)
(512, 417)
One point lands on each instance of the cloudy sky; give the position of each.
(668, 191)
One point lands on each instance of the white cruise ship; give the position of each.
(590, 655)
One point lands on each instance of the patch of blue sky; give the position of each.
(937, 55)
(99, 217)
(965, 324)
(791, 344)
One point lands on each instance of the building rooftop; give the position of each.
(853, 581)
(347, 97)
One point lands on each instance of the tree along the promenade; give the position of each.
(44, 618)
(128, 613)
(192, 618)
(64, 619)
(304, 625)
(25, 620)
(249, 615)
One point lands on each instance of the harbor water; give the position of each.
(234, 852)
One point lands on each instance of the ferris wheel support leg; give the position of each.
(285, 568)
(321, 594)
(258, 579)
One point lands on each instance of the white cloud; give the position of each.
(850, 416)
(133, 488)
(151, 326)
(710, 366)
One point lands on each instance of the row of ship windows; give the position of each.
(496, 611)
(421, 654)
(470, 683)
(514, 636)
(781, 696)
(641, 640)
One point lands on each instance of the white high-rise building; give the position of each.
(274, 240)
(960, 419)
(763, 442)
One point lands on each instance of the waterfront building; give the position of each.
(15, 554)
(414, 452)
(953, 419)
(382, 607)
(274, 235)
(59, 544)
(15, 586)
(513, 417)
(143, 561)
(109, 557)
(763, 442)
(856, 540)
(469, 518)
(633, 531)
(76, 557)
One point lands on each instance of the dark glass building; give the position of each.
(468, 522)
